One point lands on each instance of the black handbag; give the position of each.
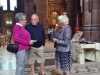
(13, 48)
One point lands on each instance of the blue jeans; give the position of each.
(21, 61)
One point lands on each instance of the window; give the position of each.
(13, 4)
(3, 3)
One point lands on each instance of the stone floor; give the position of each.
(8, 64)
(90, 68)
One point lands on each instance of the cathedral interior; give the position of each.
(84, 15)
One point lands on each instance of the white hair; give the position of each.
(63, 19)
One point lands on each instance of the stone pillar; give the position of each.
(91, 17)
(41, 9)
(36, 6)
(28, 8)
(71, 9)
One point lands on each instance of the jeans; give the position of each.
(21, 61)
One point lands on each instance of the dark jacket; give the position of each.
(37, 33)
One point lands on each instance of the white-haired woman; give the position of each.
(62, 39)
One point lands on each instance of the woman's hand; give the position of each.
(55, 40)
(58, 27)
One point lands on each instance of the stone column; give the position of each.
(91, 20)
(41, 9)
(36, 6)
(28, 8)
(71, 9)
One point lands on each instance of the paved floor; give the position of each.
(8, 64)
(88, 74)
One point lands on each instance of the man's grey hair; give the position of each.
(35, 15)
(20, 16)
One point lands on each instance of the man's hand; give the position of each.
(32, 42)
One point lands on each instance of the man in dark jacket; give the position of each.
(36, 31)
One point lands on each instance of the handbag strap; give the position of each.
(11, 37)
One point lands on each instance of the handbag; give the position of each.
(13, 48)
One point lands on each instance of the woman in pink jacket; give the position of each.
(22, 38)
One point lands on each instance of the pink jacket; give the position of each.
(21, 37)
